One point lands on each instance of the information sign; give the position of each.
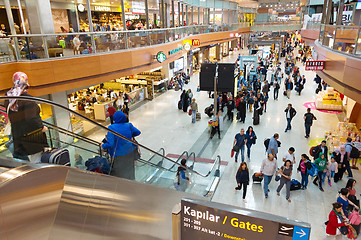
(315, 65)
(205, 220)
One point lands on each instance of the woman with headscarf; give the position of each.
(341, 158)
(27, 128)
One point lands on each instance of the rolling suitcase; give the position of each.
(257, 177)
(56, 156)
(180, 105)
(256, 120)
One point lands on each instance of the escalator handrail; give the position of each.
(149, 160)
(67, 132)
(218, 158)
(30, 98)
(178, 160)
(217, 161)
(72, 134)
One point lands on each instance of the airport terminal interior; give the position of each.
(180, 119)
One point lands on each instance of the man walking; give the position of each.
(273, 145)
(194, 108)
(268, 168)
(309, 117)
(290, 113)
(239, 143)
(288, 86)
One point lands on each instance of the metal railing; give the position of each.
(26, 47)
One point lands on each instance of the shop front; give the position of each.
(225, 46)
(123, 94)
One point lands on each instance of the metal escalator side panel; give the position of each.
(29, 201)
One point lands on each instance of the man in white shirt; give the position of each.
(290, 155)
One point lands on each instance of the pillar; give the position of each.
(192, 12)
(39, 16)
(179, 14)
(146, 14)
(173, 13)
(199, 15)
(186, 15)
(10, 17)
(214, 13)
(341, 5)
(60, 116)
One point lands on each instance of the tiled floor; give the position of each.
(163, 125)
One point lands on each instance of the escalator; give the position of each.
(154, 167)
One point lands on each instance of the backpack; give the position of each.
(355, 153)
(266, 143)
(295, 185)
(313, 171)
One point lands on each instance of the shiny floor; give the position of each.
(163, 125)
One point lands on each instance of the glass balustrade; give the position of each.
(83, 138)
(44, 46)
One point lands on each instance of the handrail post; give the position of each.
(46, 51)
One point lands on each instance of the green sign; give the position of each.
(161, 57)
(175, 50)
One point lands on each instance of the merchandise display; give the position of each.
(338, 136)
(329, 100)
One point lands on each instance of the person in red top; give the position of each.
(334, 223)
(111, 111)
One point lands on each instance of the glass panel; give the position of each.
(110, 148)
(358, 49)
(345, 40)
(328, 35)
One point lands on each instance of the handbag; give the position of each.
(190, 112)
(7, 130)
(215, 123)
(232, 153)
(236, 148)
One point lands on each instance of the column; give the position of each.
(146, 14)
(179, 14)
(39, 16)
(222, 16)
(192, 12)
(173, 13)
(161, 9)
(228, 13)
(60, 116)
(214, 13)
(186, 14)
(199, 15)
(341, 5)
(10, 17)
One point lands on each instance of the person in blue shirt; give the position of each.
(239, 142)
(273, 145)
(251, 139)
(123, 152)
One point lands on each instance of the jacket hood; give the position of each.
(321, 153)
(119, 117)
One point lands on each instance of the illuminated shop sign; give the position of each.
(315, 65)
(161, 57)
(175, 50)
(102, 8)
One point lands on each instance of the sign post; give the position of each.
(207, 220)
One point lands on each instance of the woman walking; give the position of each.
(334, 222)
(303, 167)
(285, 172)
(251, 139)
(242, 179)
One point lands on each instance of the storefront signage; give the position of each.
(175, 50)
(81, 8)
(161, 57)
(196, 42)
(205, 220)
(102, 8)
(187, 46)
(315, 65)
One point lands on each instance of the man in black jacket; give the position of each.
(320, 148)
(290, 113)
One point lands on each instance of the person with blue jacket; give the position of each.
(123, 152)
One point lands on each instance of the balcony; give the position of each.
(47, 46)
(276, 26)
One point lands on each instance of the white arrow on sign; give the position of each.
(302, 233)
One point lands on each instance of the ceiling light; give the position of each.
(266, 5)
(271, 6)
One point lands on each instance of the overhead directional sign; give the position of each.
(207, 220)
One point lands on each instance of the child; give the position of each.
(332, 168)
(242, 178)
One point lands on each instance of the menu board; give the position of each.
(199, 221)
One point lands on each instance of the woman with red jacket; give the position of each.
(334, 222)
